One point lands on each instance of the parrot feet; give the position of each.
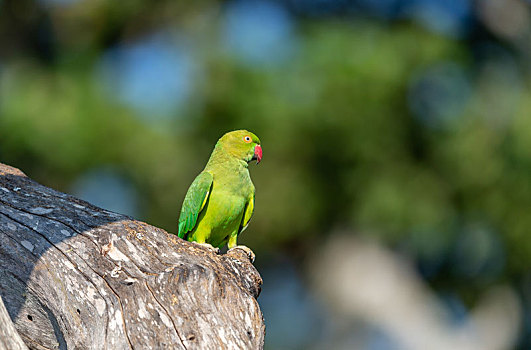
(209, 246)
(247, 251)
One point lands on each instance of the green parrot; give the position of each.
(220, 201)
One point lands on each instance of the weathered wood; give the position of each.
(76, 276)
(9, 338)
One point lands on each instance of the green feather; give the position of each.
(194, 202)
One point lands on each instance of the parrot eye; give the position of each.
(247, 139)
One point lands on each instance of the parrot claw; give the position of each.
(247, 251)
(209, 246)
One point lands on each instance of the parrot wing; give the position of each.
(194, 202)
(249, 209)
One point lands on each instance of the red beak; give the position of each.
(257, 153)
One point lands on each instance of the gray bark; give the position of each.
(76, 276)
(9, 338)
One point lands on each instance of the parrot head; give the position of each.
(242, 144)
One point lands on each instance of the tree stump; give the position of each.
(75, 276)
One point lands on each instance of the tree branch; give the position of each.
(73, 275)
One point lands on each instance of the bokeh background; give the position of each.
(393, 206)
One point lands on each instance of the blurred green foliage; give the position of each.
(335, 127)
(342, 149)
(369, 126)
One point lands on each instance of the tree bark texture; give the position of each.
(9, 338)
(75, 276)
